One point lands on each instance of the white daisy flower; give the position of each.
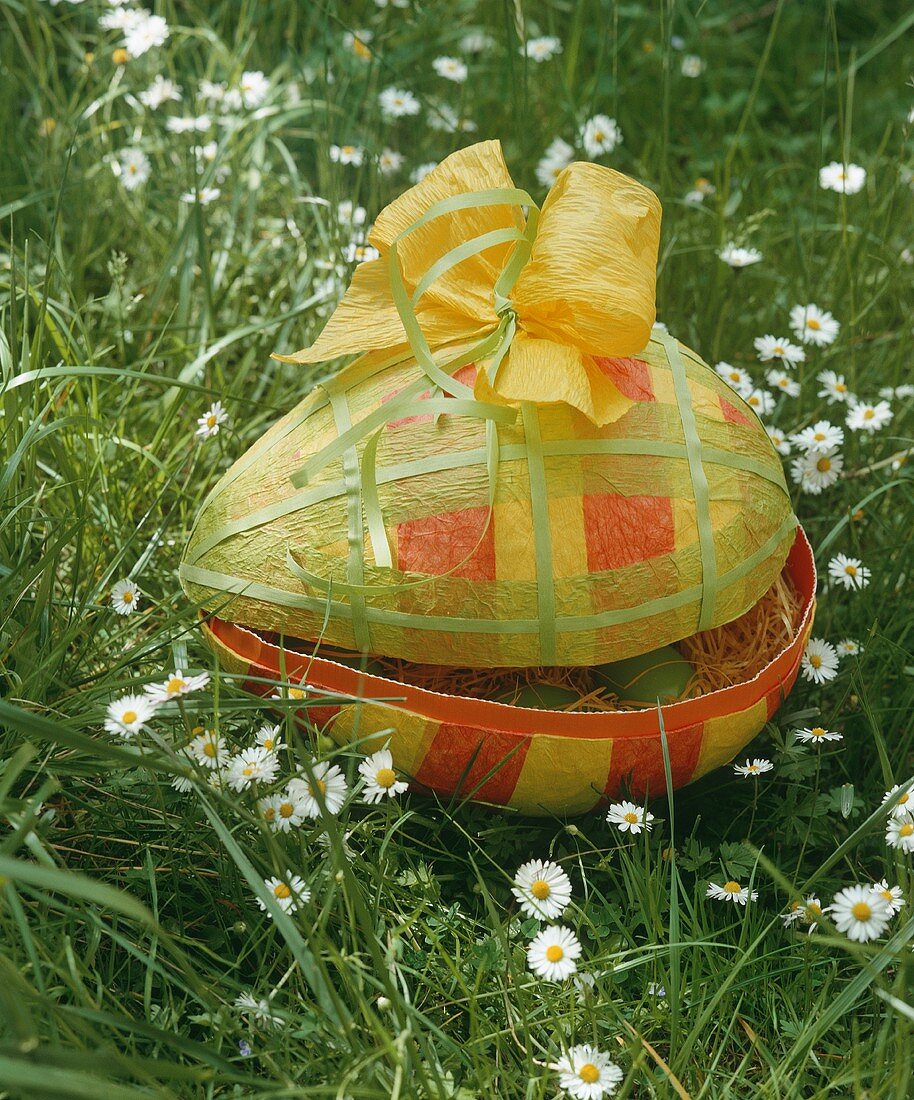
(125, 597)
(380, 778)
(815, 471)
(901, 801)
(821, 437)
(816, 735)
(860, 912)
(419, 173)
(259, 1010)
(629, 817)
(807, 911)
(753, 767)
(551, 953)
(211, 91)
(862, 417)
(389, 162)
(288, 893)
(357, 252)
(283, 811)
(834, 389)
(132, 168)
(734, 256)
(161, 90)
(557, 157)
(735, 377)
(893, 895)
(778, 347)
(820, 661)
(812, 325)
(211, 421)
(126, 716)
(207, 749)
(586, 1073)
(692, 66)
(203, 196)
(254, 88)
(269, 737)
(347, 154)
(397, 103)
(779, 440)
(444, 118)
(253, 765)
(451, 68)
(176, 685)
(329, 783)
(731, 891)
(849, 647)
(472, 41)
(358, 42)
(120, 18)
(847, 179)
(599, 135)
(189, 125)
(850, 572)
(349, 213)
(542, 49)
(145, 34)
(761, 401)
(899, 833)
(542, 888)
(781, 380)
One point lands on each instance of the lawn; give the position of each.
(183, 194)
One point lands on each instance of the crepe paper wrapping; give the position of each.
(536, 762)
(581, 544)
(460, 261)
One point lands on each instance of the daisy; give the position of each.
(542, 888)
(347, 154)
(629, 817)
(177, 684)
(850, 572)
(737, 257)
(132, 168)
(860, 912)
(451, 68)
(730, 891)
(125, 597)
(820, 661)
(542, 49)
(822, 436)
(119, 19)
(557, 157)
(816, 735)
(259, 1009)
(814, 472)
(753, 767)
(396, 103)
(389, 161)
(901, 801)
(899, 833)
(211, 91)
(211, 421)
(127, 716)
(161, 90)
(380, 778)
(778, 439)
(202, 196)
(445, 119)
(812, 325)
(207, 749)
(358, 42)
(778, 347)
(253, 765)
(145, 34)
(600, 135)
(287, 894)
(848, 647)
(781, 380)
(586, 1073)
(692, 66)
(892, 895)
(735, 377)
(348, 213)
(357, 252)
(761, 401)
(283, 812)
(198, 125)
(254, 88)
(834, 388)
(269, 737)
(329, 783)
(847, 179)
(868, 418)
(472, 42)
(552, 953)
(419, 173)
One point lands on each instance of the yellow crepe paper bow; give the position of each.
(543, 294)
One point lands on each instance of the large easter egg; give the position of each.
(591, 544)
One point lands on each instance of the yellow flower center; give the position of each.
(904, 798)
(296, 693)
(734, 376)
(732, 887)
(907, 829)
(120, 57)
(175, 685)
(861, 911)
(817, 731)
(813, 910)
(286, 809)
(249, 770)
(541, 889)
(631, 818)
(128, 716)
(851, 570)
(555, 953)
(269, 813)
(813, 324)
(823, 465)
(777, 349)
(348, 149)
(321, 786)
(280, 890)
(815, 660)
(589, 1073)
(127, 597)
(360, 49)
(211, 421)
(385, 777)
(819, 436)
(840, 387)
(887, 894)
(869, 414)
(268, 743)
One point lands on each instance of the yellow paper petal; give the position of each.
(545, 372)
(590, 280)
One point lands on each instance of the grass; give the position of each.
(128, 915)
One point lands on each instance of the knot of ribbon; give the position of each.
(466, 257)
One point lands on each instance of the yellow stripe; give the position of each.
(562, 775)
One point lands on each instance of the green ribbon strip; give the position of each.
(542, 533)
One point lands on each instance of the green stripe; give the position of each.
(542, 534)
(699, 484)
